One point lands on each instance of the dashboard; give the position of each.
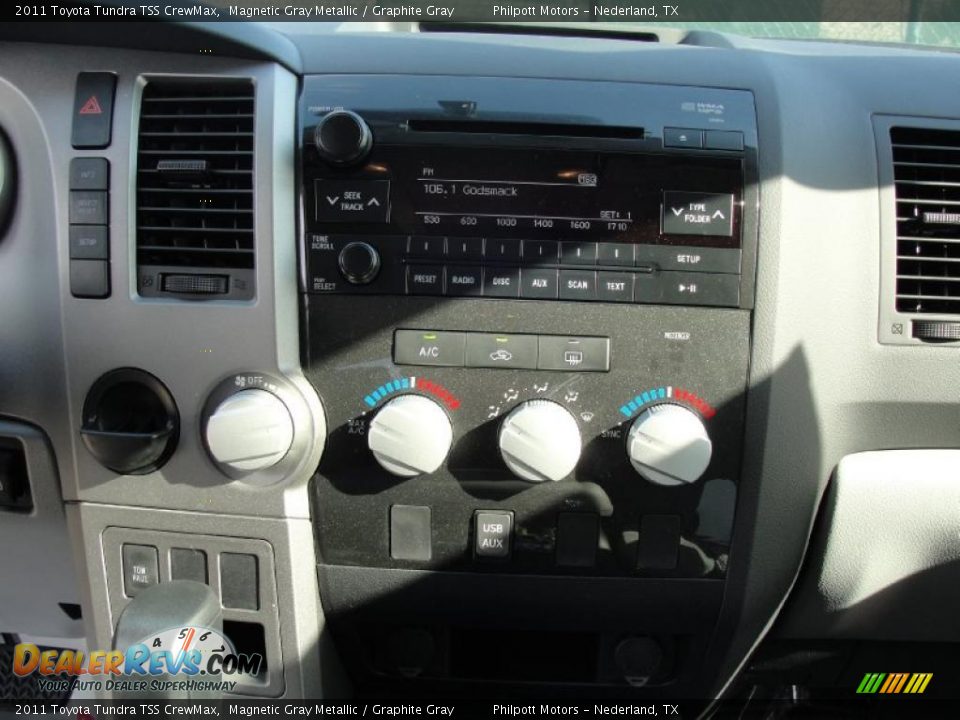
(452, 361)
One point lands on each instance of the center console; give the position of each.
(526, 308)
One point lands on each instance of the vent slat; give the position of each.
(196, 215)
(926, 168)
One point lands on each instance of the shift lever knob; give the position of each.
(157, 612)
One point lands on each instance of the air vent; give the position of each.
(195, 199)
(926, 166)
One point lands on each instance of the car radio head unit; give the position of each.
(445, 199)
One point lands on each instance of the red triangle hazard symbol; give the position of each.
(91, 106)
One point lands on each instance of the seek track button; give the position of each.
(352, 200)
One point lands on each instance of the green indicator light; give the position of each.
(430, 336)
(502, 339)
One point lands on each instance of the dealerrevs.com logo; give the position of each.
(184, 658)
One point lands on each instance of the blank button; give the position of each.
(410, 533)
(239, 581)
(577, 536)
(186, 564)
(659, 542)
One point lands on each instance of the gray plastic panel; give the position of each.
(289, 594)
(190, 346)
(884, 563)
(216, 547)
(36, 549)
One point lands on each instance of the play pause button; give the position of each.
(492, 533)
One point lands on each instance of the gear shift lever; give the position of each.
(167, 606)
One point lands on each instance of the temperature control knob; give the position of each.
(539, 441)
(251, 430)
(669, 445)
(410, 435)
(342, 137)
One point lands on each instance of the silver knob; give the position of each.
(669, 445)
(249, 431)
(540, 441)
(411, 435)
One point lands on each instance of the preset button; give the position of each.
(425, 279)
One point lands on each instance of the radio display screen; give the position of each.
(535, 194)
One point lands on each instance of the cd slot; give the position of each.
(498, 127)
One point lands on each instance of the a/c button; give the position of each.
(429, 347)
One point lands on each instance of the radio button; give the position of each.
(502, 250)
(540, 252)
(615, 254)
(615, 287)
(578, 285)
(489, 350)
(692, 213)
(425, 279)
(465, 248)
(562, 352)
(701, 289)
(428, 347)
(539, 283)
(578, 253)
(689, 259)
(464, 280)
(430, 248)
(501, 282)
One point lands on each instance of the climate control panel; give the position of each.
(435, 422)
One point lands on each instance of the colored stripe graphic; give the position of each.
(894, 683)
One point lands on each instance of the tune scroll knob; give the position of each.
(669, 445)
(342, 137)
(540, 441)
(411, 435)
(249, 431)
(359, 263)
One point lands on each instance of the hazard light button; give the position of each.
(93, 110)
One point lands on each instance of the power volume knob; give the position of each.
(669, 445)
(359, 263)
(251, 430)
(342, 137)
(540, 441)
(411, 435)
